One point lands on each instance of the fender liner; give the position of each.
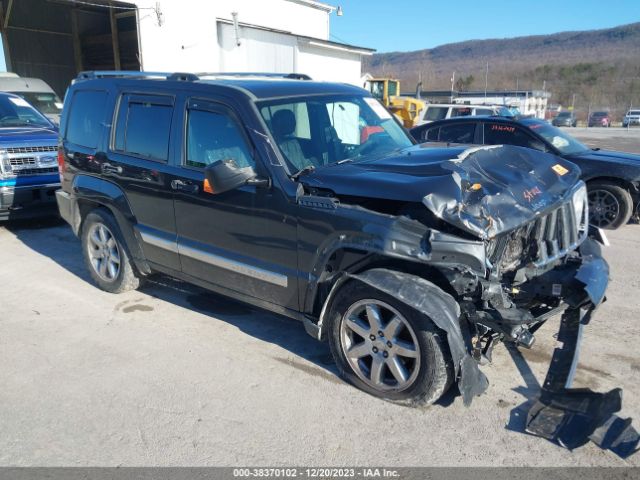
(443, 310)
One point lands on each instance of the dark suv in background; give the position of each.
(565, 119)
(309, 199)
(613, 178)
(599, 119)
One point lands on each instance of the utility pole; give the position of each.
(486, 81)
(453, 79)
(573, 102)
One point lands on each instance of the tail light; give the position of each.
(62, 166)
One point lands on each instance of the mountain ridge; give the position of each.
(601, 67)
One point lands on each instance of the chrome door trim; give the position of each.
(215, 260)
(233, 265)
(159, 242)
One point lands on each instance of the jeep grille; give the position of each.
(547, 238)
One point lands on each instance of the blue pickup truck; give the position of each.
(28, 160)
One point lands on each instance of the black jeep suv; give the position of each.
(310, 200)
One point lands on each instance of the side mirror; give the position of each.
(225, 175)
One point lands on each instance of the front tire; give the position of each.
(386, 348)
(610, 205)
(105, 254)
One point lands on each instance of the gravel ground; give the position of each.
(174, 375)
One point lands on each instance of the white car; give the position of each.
(440, 111)
(631, 118)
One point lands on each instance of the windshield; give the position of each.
(45, 102)
(564, 114)
(16, 112)
(565, 143)
(325, 130)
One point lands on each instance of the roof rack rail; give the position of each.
(184, 77)
(290, 76)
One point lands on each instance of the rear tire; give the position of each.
(610, 205)
(409, 363)
(106, 255)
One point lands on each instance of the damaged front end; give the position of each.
(502, 246)
(537, 269)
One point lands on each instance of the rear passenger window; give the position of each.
(460, 112)
(144, 126)
(501, 134)
(435, 113)
(459, 133)
(213, 136)
(86, 117)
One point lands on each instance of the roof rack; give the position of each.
(289, 76)
(185, 77)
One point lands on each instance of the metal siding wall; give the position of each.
(259, 50)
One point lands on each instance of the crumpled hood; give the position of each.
(482, 190)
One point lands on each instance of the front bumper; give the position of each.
(571, 417)
(27, 201)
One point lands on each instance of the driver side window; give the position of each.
(213, 136)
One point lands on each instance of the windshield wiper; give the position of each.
(304, 171)
(344, 160)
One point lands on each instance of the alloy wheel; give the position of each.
(104, 254)
(380, 345)
(604, 208)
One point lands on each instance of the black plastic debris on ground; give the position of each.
(572, 417)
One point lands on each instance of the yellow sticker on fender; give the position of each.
(559, 169)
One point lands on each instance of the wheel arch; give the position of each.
(428, 299)
(92, 193)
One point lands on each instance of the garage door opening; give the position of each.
(55, 39)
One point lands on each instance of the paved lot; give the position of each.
(622, 139)
(173, 375)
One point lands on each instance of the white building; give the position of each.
(528, 102)
(54, 40)
(280, 36)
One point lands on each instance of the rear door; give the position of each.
(245, 239)
(499, 133)
(138, 161)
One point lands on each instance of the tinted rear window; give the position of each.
(436, 113)
(86, 117)
(459, 133)
(144, 127)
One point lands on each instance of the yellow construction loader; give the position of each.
(387, 90)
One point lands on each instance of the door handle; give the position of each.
(184, 186)
(108, 168)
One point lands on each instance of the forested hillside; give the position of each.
(601, 67)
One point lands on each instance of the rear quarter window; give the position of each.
(86, 117)
(435, 113)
